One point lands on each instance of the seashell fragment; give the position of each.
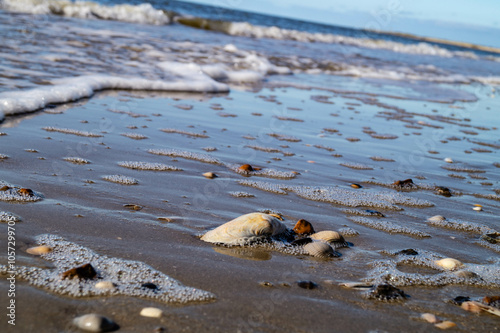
(466, 274)
(303, 227)
(430, 318)
(445, 324)
(105, 285)
(94, 323)
(133, 206)
(210, 175)
(320, 250)
(246, 229)
(471, 306)
(448, 264)
(477, 208)
(151, 312)
(82, 272)
(448, 160)
(39, 250)
(330, 237)
(5, 188)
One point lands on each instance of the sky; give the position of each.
(476, 21)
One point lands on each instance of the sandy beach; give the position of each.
(115, 166)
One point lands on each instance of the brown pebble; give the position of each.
(354, 185)
(133, 206)
(471, 306)
(303, 227)
(26, 192)
(445, 324)
(430, 318)
(4, 188)
(247, 168)
(211, 175)
(39, 250)
(491, 300)
(404, 183)
(82, 272)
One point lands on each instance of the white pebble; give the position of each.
(430, 318)
(436, 218)
(94, 323)
(105, 285)
(448, 160)
(209, 175)
(477, 208)
(448, 264)
(151, 312)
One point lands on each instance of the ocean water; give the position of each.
(112, 112)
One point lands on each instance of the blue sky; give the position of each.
(464, 20)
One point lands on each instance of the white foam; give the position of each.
(389, 227)
(127, 275)
(72, 89)
(143, 13)
(76, 160)
(8, 217)
(120, 179)
(185, 154)
(148, 166)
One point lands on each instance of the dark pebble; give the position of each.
(444, 191)
(407, 183)
(408, 252)
(459, 300)
(386, 292)
(149, 285)
(374, 213)
(307, 284)
(82, 272)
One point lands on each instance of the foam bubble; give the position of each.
(387, 270)
(71, 131)
(348, 232)
(457, 168)
(76, 160)
(357, 166)
(148, 166)
(191, 134)
(120, 179)
(185, 154)
(135, 136)
(264, 186)
(461, 225)
(389, 227)
(266, 172)
(242, 194)
(127, 275)
(12, 193)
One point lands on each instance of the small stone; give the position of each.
(5, 188)
(386, 292)
(444, 191)
(149, 285)
(94, 323)
(246, 168)
(459, 300)
(266, 284)
(165, 219)
(210, 175)
(303, 227)
(407, 183)
(436, 218)
(151, 312)
(39, 250)
(445, 324)
(477, 208)
(105, 285)
(430, 318)
(307, 284)
(408, 252)
(133, 206)
(448, 160)
(492, 238)
(82, 272)
(448, 264)
(25, 192)
(471, 307)
(354, 185)
(159, 329)
(466, 274)
(374, 213)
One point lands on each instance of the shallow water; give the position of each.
(312, 135)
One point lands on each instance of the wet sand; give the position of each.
(329, 138)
